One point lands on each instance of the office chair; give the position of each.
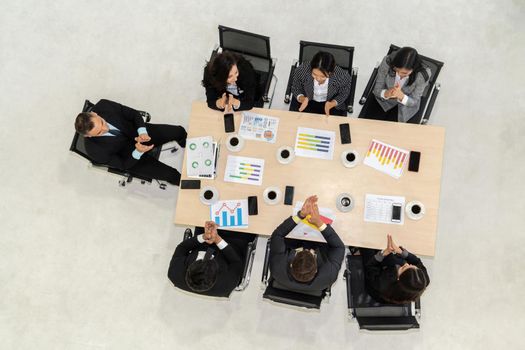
(275, 292)
(256, 49)
(249, 257)
(343, 55)
(371, 315)
(78, 146)
(427, 99)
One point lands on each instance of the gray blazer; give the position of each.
(386, 79)
(338, 85)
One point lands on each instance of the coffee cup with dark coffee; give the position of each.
(344, 202)
(285, 155)
(234, 143)
(272, 195)
(349, 158)
(415, 210)
(209, 195)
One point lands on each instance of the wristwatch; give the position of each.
(299, 215)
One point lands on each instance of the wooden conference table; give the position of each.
(326, 178)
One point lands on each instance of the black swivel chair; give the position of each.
(427, 99)
(78, 146)
(343, 55)
(256, 49)
(370, 314)
(248, 261)
(278, 293)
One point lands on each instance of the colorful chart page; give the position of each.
(259, 127)
(314, 143)
(230, 214)
(244, 170)
(386, 158)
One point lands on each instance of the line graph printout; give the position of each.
(386, 158)
(230, 213)
(314, 143)
(244, 170)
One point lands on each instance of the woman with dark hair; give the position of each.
(230, 82)
(393, 275)
(320, 86)
(401, 80)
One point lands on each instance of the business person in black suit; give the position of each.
(208, 264)
(116, 135)
(305, 266)
(394, 275)
(231, 83)
(320, 86)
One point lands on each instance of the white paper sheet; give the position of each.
(314, 143)
(259, 127)
(230, 213)
(386, 158)
(305, 230)
(378, 208)
(244, 170)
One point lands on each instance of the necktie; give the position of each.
(115, 132)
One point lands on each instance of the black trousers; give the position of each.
(315, 107)
(375, 111)
(152, 168)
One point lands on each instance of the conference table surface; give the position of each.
(326, 178)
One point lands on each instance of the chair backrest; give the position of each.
(343, 55)
(78, 145)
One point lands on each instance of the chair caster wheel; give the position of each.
(122, 183)
(162, 186)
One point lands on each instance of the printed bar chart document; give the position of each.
(314, 143)
(230, 213)
(244, 170)
(386, 158)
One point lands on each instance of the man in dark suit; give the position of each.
(117, 136)
(305, 266)
(207, 264)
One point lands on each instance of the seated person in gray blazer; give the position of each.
(393, 275)
(401, 80)
(206, 263)
(320, 86)
(304, 266)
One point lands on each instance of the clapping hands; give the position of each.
(310, 210)
(391, 247)
(210, 233)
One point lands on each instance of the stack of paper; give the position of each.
(201, 157)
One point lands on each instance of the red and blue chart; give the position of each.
(386, 158)
(231, 213)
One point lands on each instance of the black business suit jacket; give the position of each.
(246, 83)
(327, 269)
(230, 267)
(115, 151)
(339, 84)
(379, 276)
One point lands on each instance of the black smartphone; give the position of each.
(288, 195)
(413, 163)
(396, 212)
(229, 124)
(344, 131)
(252, 205)
(190, 184)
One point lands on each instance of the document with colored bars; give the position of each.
(314, 143)
(244, 170)
(386, 158)
(230, 214)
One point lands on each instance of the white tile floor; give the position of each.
(83, 262)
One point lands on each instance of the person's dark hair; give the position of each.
(324, 61)
(83, 123)
(408, 58)
(410, 285)
(201, 275)
(218, 69)
(304, 266)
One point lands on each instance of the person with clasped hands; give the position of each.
(394, 275)
(305, 265)
(206, 264)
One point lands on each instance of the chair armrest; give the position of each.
(430, 105)
(368, 87)
(351, 97)
(248, 264)
(266, 264)
(145, 115)
(287, 94)
(187, 234)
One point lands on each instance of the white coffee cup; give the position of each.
(415, 210)
(349, 158)
(285, 155)
(209, 195)
(272, 195)
(344, 202)
(234, 143)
